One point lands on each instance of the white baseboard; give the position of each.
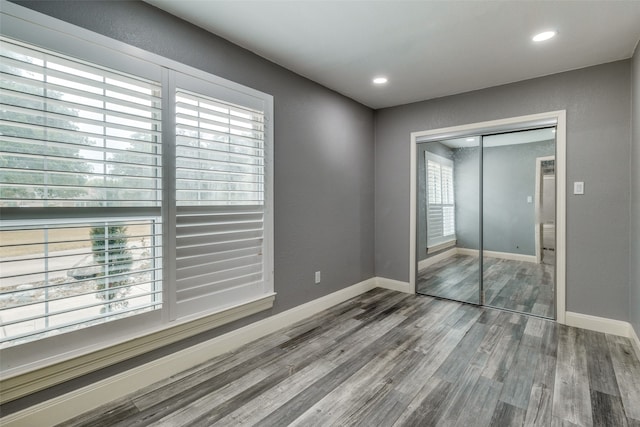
(495, 254)
(394, 285)
(72, 404)
(599, 324)
(428, 262)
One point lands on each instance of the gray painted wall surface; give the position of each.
(597, 100)
(324, 156)
(634, 294)
(466, 181)
(509, 177)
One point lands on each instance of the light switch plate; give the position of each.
(578, 187)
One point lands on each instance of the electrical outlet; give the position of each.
(317, 277)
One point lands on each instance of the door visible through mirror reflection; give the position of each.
(486, 220)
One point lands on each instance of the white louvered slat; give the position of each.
(220, 197)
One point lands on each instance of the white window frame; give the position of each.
(442, 240)
(36, 365)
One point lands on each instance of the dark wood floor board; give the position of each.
(519, 379)
(254, 410)
(167, 389)
(506, 415)
(559, 422)
(109, 414)
(535, 327)
(607, 410)
(539, 412)
(381, 403)
(633, 423)
(426, 407)
(627, 369)
(189, 414)
(602, 377)
(391, 359)
(382, 306)
(540, 409)
(459, 395)
(505, 350)
(325, 321)
(436, 312)
(465, 363)
(443, 343)
(479, 408)
(368, 384)
(571, 397)
(189, 389)
(270, 361)
(352, 361)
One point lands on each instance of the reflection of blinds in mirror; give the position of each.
(440, 200)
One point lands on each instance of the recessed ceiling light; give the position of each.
(380, 80)
(545, 35)
(470, 139)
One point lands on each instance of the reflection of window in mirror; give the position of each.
(440, 202)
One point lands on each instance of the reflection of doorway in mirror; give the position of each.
(545, 197)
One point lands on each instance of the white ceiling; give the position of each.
(427, 49)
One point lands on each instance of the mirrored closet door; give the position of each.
(486, 220)
(448, 219)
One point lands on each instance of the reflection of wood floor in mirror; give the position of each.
(515, 285)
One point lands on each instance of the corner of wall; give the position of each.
(634, 241)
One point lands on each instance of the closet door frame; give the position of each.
(552, 118)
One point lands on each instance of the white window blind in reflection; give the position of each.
(440, 199)
(220, 202)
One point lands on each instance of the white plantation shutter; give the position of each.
(125, 204)
(81, 152)
(61, 118)
(220, 198)
(440, 200)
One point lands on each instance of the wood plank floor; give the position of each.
(515, 285)
(392, 359)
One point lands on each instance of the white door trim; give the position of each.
(538, 199)
(561, 194)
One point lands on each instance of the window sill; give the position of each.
(38, 379)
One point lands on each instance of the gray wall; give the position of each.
(466, 181)
(597, 100)
(634, 294)
(509, 176)
(324, 156)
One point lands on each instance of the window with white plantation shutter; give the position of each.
(135, 200)
(440, 200)
(220, 177)
(80, 193)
